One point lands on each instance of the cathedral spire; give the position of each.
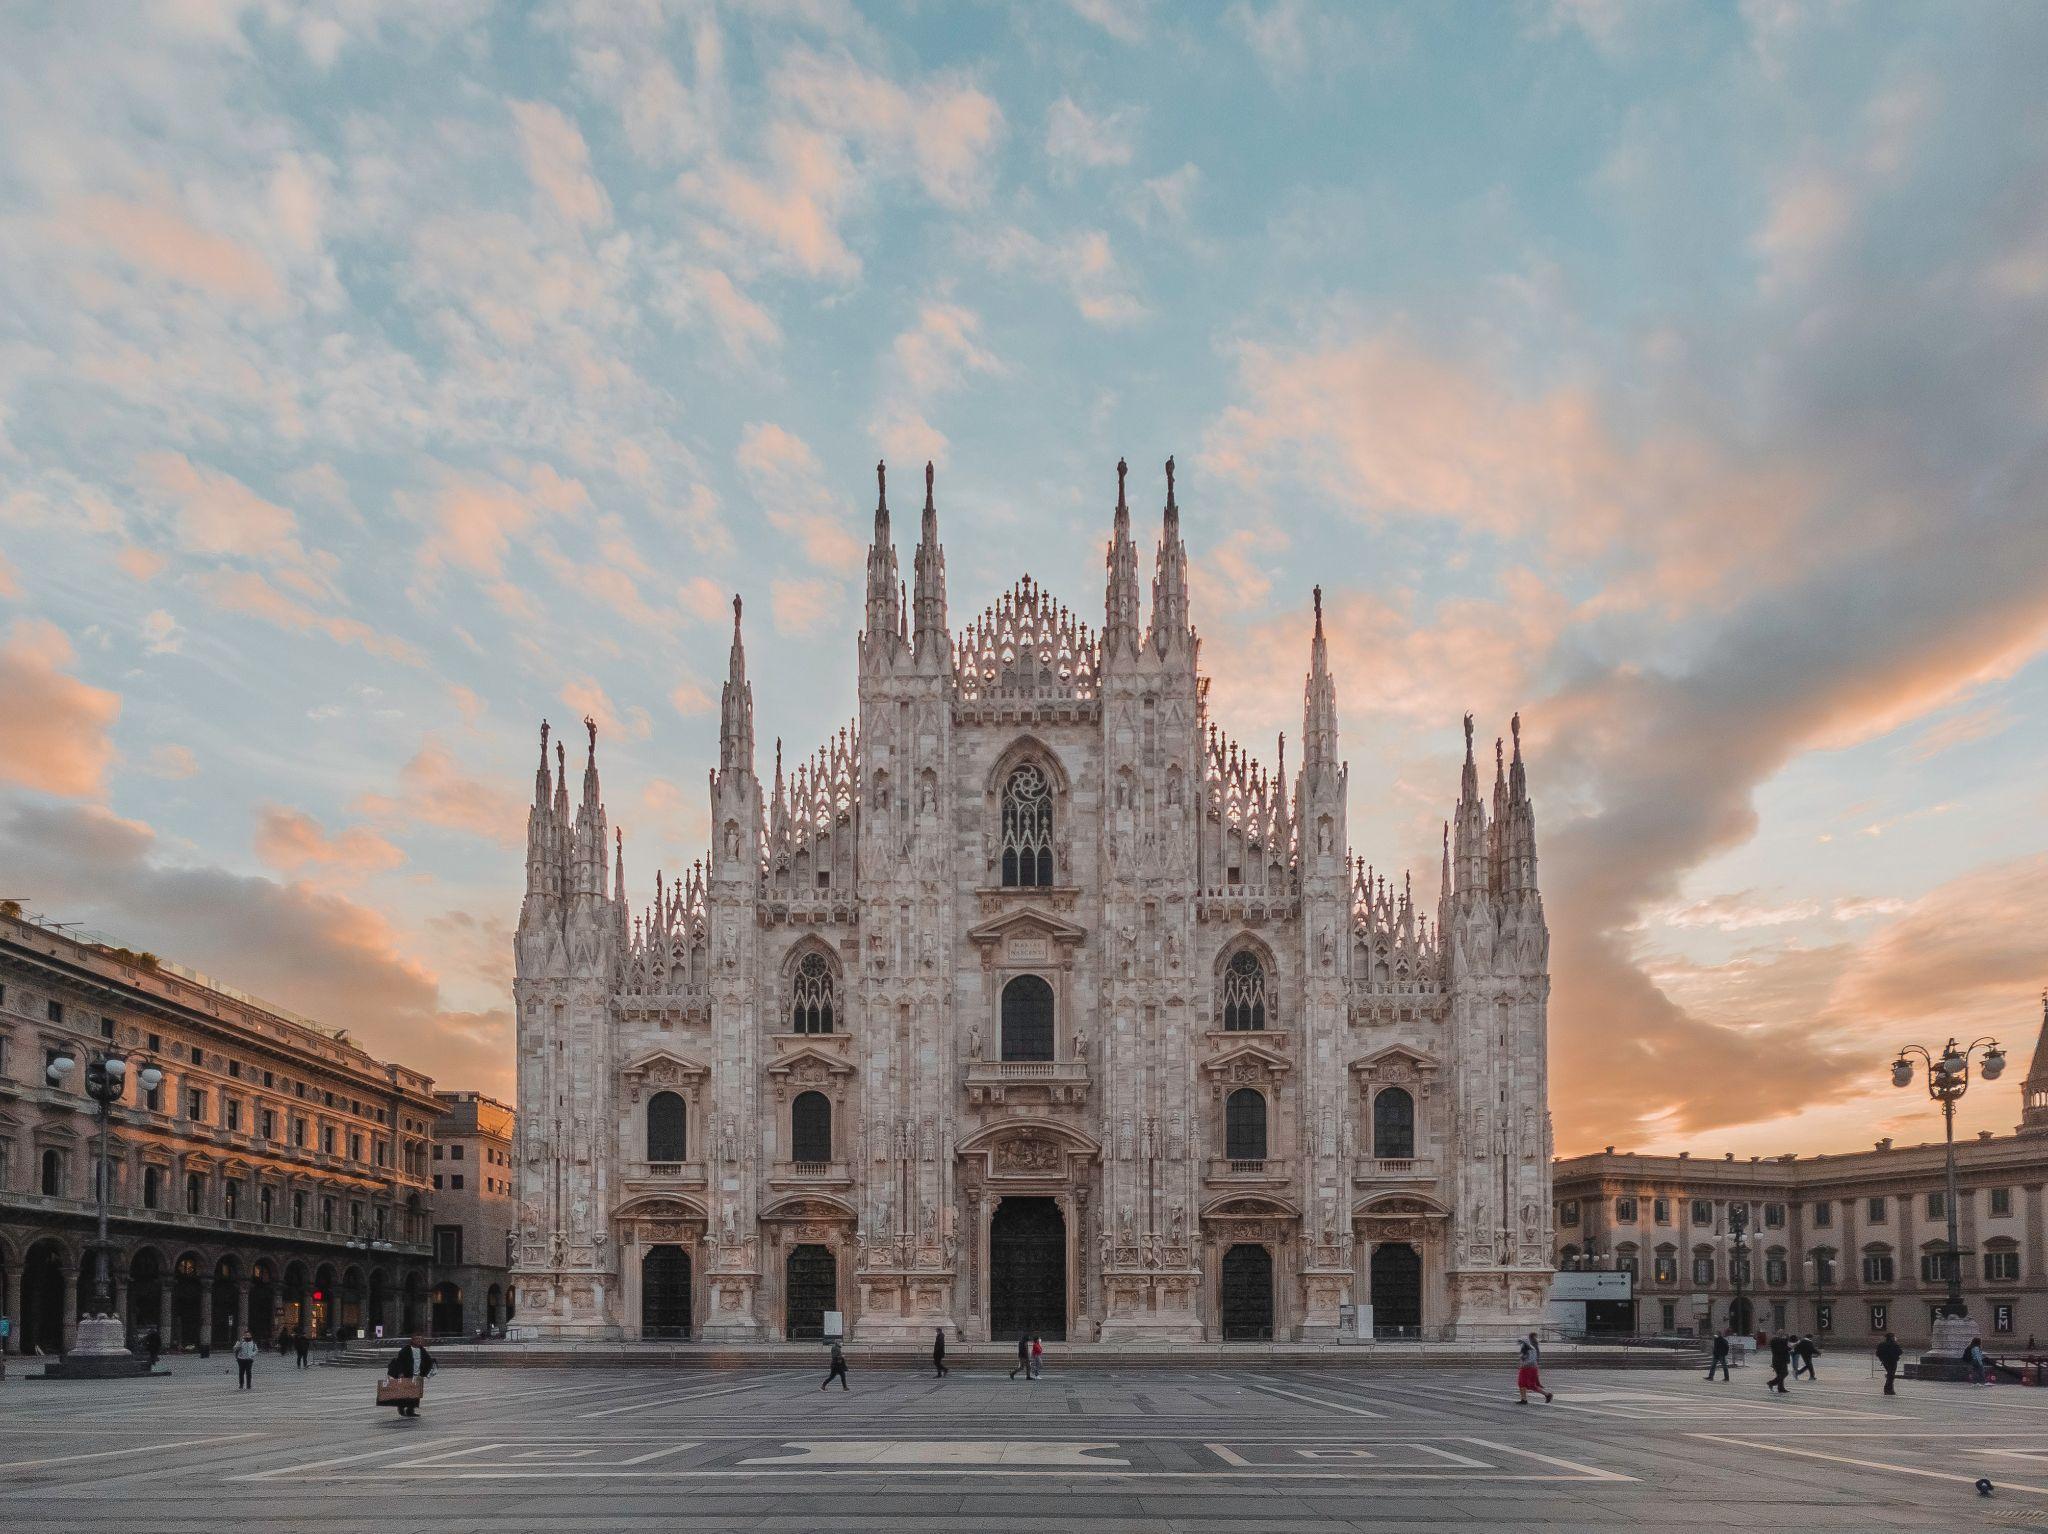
(1120, 628)
(543, 847)
(736, 707)
(1470, 851)
(885, 600)
(930, 570)
(2034, 1094)
(590, 825)
(1170, 580)
(1319, 703)
(1521, 815)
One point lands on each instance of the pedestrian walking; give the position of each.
(1023, 1357)
(412, 1362)
(283, 1342)
(1781, 1361)
(1804, 1350)
(153, 1346)
(245, 1360)
(1889, 1353)
(1973, 1355)
(302, 1345)
(1037, 1357)
(939, 1353)
(1720, 1358)
(838, 1371)
(1529, 1376)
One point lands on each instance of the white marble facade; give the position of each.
(1031, 1002)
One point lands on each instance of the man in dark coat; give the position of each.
(1889, 1353)
(153, 1346)
(1781, 1361)
(413, 1362)
(1023, 1358)
(939, 1353)
(838, 1369)
(301, 1345)
(1720, 1358)
(1805, 1350)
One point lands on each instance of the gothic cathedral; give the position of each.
(1032, 1004)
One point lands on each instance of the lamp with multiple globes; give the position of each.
(1948, 1078)
(106, 1078)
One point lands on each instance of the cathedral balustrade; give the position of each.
(667, 1174)
(1228, 903)
(994, 1082)
(1378, 1169)
(1249, 1172)
(810, 1174)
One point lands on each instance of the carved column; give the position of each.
(206, 1312)
(70, 1307)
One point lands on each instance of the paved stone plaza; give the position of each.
(505, 1450)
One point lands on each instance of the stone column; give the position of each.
(242, 1308)
(70, 1307)
(205, 1338)
(11, 1277)
(163, 1312)
(120, 1300)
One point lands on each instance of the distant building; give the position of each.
(473, 1212)
(1847, 1246)
(277, 1176)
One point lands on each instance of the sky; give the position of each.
(377, 379)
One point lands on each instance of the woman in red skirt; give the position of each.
(1529, 1377)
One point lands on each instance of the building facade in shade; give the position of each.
(472, 1210)
(1031, 1002)
(1847, 1246)
(277, 1176)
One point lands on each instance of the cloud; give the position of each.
(248, 593)
(1077, 140)
(558, 161)
(293, 842)
(159, 241)
(57, 726)
(304, 948)
(161, 634)
(1292, 38)
(172, 762)
(434, 790)
(1739, 912)
(801, 607)
(1959, 729)
(1081, 261)
(787, 481)
(1165, 200)
(587, 700)
(1124, 20)
(927, 360)
(10, 585)
(689, 697)
(692, 294)
(218, 515)
(140, 565)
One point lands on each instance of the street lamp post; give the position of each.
(1738, 1222)
(1818, 1267)
(101, 1335)
(1948, 1078)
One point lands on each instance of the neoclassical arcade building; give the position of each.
(1031, 1003)
(276, 1176)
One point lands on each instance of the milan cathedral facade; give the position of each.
(1031, 1004)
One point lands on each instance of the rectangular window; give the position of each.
(1665, 1270)
(1624, 1264)
(1660, 1209)
(269, 1123)
(154, 1098)
(195, 1106)
(156, 1042)
(1937, 1207)
(1823, 1214)
(234, 1067)
(355, 1147)
(1774, 1270)
(106, 1027)
(1823, 1269)
(1670, 1317)
(2001, 1266)
(234, 1114)
(1774, 1217)
(299, 1133)
(2001, 1318)
(448, 1245)
(327, 1214)
(1567, 1212)
(327, 1140)
(1877, 1268)
(439, 1151)
(2001, 1202)
(1878, 1210)
(455, 1182)
(455, 1154)
(1880, 1317)
(437, 1180)
(266, 1078)
(1702, 1211)
(1777, 1315)
(299, 1211)
(1703, 1271)
(263, 1205)
(1933, 1267)
(54, 1010)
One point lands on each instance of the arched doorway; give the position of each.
(226, 1295)
(664, 1293)
(350, 1311)
(298, 1315)
(1396, 1290)
(325, 1300)
(262, 1318)
(448, 1309)
(494, 1305)
(810, 1288)
(184, 1331)
(146, 1292)
(42, 1299)
(1027, 1270)
(414, 1307)
(1741, 1315)
(1247, 1294)
(379, 1320)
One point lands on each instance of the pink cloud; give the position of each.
(435, 790)
(57, 726)
(158, 240)
(293, 842)
(801, 607)
(558, 161)
(246, 592)
(219, 515)
(788, 481)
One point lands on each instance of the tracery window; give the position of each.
(811, 995)
(1027, 828)
(1244, 994)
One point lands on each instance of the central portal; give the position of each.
(1027, 1270)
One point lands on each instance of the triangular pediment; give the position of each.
(1027, 922)
(1249, 1052)
(1396, 1062)
(665, 1064)
(791, 1060)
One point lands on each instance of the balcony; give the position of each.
(666, 1174)
(810, 1174)
(1372, 1171)
(995, 1082)
(1270, 1171)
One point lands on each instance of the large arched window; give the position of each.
(152, 1188)
(810, 1005)
(1244, 994)
(1244, 1125)
(53, 1173)
(1027, 828)
(195, 1192)
(1393, 1124)
(1027, 1019)
(810, 1127)
(668, 1127)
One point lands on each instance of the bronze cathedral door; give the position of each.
(1027, 1270)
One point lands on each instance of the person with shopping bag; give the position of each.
(405, 1381)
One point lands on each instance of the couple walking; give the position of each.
(1030, 1358)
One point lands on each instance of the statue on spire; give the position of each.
(1122, 469)
(881, 485)
(1468, 737)
(1169, 481)
(590, 724)
(927, 483)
